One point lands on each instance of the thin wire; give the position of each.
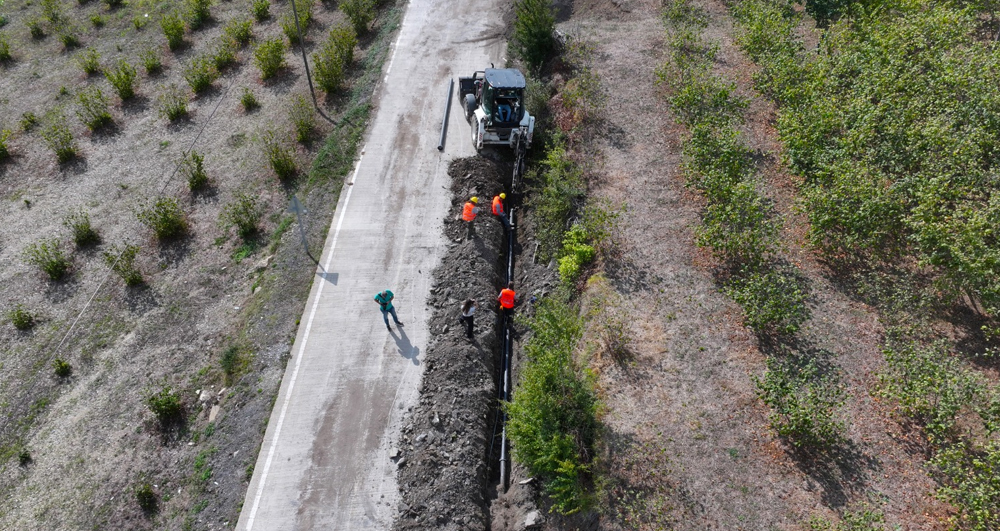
(305, 62)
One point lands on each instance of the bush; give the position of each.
(201, 73)
(89, 61)
(5, 135)
(231, 363)
(194, 167)
(150, 59)
(173, 29)
(970, 483)
(165, 217)
(146, 498)
(244, 213)
(52, 11)
(773, 300)
(280, 157)
(333, 58)
(35, 28)
(166, 405)
(123, 78)
(114, 4)
(534, 24)
(92, 108)
(173, 103)
(5, 55)
(121, 260)
(47, 255)
(361, 13)
(239, 31)
(21, 318)
(270, 57)
(97, 21)
(303, 119)
(58, 136)
(68, 38)
(83, 231)
(555, 188)
(24, 457)
(553, 417)
(289, 27)
(261, 10)
(62, 368)
(225, 54)
(198, 12)
(249, 100)
(577, 252)
(804, 402)
(28, 121)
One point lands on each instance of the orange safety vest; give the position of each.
(506, 298)
(467, 212)
(497, 206)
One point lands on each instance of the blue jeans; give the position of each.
(385, 315)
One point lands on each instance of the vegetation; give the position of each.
(164, 217)
(21, 317)
(553, 417)
(121, 260)
(248, 100)
(334, 56)
(89, 61)
(303, 119)
(261, 10)
(166, 405)
(62, 368)
(5, 55)
(151, 61)
(194, 168)
(147, 499)
(280, 157)
(577, 253)
(173, 103)
(269, 57)
(198, 12)
(239, 31)
(28, 121)
(534, 24)
(123, 78)
(225, 54)
(92, 108)
(200, 73)
(83, 231)
(35, 28)
(361, 13)
(970, 482)
(48, 256)
(289, 27)
(58, 137)
(173, 29)
(803, 401)
(68, 37)
(244, 213)
(5, 135)
(554, 189)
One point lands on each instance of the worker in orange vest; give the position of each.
(469, 212)
(507, 298)
(498, 209)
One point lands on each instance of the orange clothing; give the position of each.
(497, 206)
(469, 211)
(506, 298)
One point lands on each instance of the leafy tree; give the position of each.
(533, 38)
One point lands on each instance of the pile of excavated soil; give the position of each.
(444, 474)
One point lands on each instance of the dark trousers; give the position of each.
(468, 324)
(504, 220)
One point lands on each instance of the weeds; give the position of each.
(361, 13)
(249, 100)
(89, 61)
(164, 217)
(232, 363)
(198, 13)
(48, 256)
(62, 368)
(239, 31)
(58, 136)
(173, 103)
(244, 213)
(173, 29)
(261, 10)
(194, 167)
(92, 108)
(21, 317)
(280, 157)
(333, 58)
(24, 457)
(303, 119)
(121, 260)
(83, 231)
(166, 405)
(270, 57)
(123, 78)
(201, 73)
(28, 121)
(150, 59)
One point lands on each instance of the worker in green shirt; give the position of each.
(384, 300)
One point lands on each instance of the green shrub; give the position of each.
(225, 54)
(198, 12)
(48, 256)
(165, 217)
(58, 136)
(5, 55)
(289, 27)
(970, 482)
(534, 24)
(361, 13)
(773, 300)
(123, 78)
(52, 10)
(62, 368)
(577, 252)
(173, 29)
(140, 22)
(5, 135)
(860, 519)
(553, 416)
(147, 499)
(244, 213)
(280, 157)
(83, 231)
(24, 457)
(21, 318)
(555, 187)
(249, 100)
(121, 260)
(804, 402)
(151, 61)
(92, 108)
(194, 168)
(303, 119)
(28, 121)
(35, 28)
(334, 56)
(261, 10)
(166, 405)
(89, 61)
(114, 4)
(97, 21)
(239, 31)
(200, 73)
(269, 57)
(173, 103)
(232, 363)
(68, 38)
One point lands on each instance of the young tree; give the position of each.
(533, 40)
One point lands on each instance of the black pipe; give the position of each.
(447, 108)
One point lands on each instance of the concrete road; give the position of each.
(324, 461)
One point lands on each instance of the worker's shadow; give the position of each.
(406, 349)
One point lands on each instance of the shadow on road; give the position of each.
(406, 349)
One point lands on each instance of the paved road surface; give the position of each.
(323, 463)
